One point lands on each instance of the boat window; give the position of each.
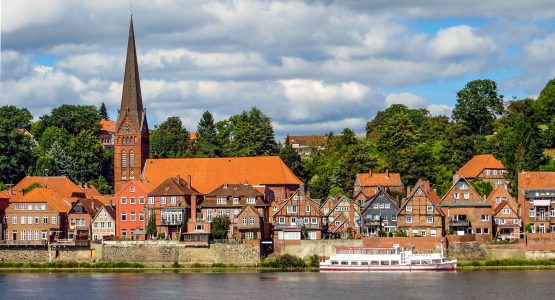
(364, 263)
(437, 261)
(426, 262)
(344, 262)
(394, 262)
(354, 263)
(374, 263)
(334, 262)
(385, 262)
(414, 262)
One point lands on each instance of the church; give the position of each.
(177, 189)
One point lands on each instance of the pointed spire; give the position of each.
(131, 98)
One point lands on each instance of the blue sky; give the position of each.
(312, 66)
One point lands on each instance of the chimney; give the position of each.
(408, 190)
(190, 180)
(93, 205)
(194, 208)
(387, 173)
(370, 172)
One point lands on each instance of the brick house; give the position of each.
(342, 227)
(506, 214)
(173, 202)
(104, 223)
(296, 214)
(80, 217)
(131, 200)
(107, 133)
(61, 184)
(380, 213)
(485, 167)
(371, 181)
(36, 217)
(466, 212)
(340, 205)
(420, 214)
(250, 224)
(536, 195)
(230, 200)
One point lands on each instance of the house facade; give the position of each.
(380, 213)
(341, 209)
(80, 217)
(249, 225)
(370, 182)
(298, 217)
(130, 209)
(536, 195)
(485, 167)
(104, 223)
(506, 214)
(420, 214)
(466, 212)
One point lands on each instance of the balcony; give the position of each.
(171, 222)
(545, 218)
(22, 243)
(459, 223)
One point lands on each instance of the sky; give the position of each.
(311, 66)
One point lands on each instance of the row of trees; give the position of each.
(404, 140)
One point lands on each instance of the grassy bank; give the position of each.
(70, 265)
(507, 264)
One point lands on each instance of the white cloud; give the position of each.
(542, 50)
(440, 110)
(408, 99)
(460, 41)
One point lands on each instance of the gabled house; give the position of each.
(466, 212)
(249, 225)
(335, 206)
(80, 218)
(174, 205)
(380, 213)
(230, 200)
(536, 195)
(420, 214)
(107, 133)
(485, 167)
(104, 223)
(371, 181)
(131, 217)
(506, 214)
(342, 227)
(299, 216)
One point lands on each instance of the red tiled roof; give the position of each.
(92, 206)
(173, 186)
(60, 184)
(379, 179)
(535, 180)
(45, 195)
(193, 135)
(108, 125)
(209, 173)
(478, 163)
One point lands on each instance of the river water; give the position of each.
(346, 286)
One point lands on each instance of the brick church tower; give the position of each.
(131, 142)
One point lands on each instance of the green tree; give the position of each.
(292, 159)
(87, 155)
(102, 185)
(207, 141)
(458, 146)
(72, 118)
(348, 137)
(252, 134)
(219, 227)
(169, 140)
(103, 112)
(357, 158)
(482, 187)
(54, 162)
(12, 117)
(545, 104)
(478, 104)
(16, 155)
(151, 225)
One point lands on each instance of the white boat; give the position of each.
(368, 259)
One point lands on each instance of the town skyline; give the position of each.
(312, 67)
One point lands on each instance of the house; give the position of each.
(420, 214)
(307, 145)
(107, 133)
(104, 223)
(466, 212)
(268, 173)
(174, 205)
(131, 219)
(249, 225)
(340, 209)
(506, 214)
(230, 200)
(380, 213)
(369, 182)
(536, 195)
(485, 167)
(37, 216)
(61, 184)
(297, 217)
(4, 203)
(80, 218)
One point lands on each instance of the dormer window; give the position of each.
(251, 200)
(456, 196)
(466, 195)
(235, 200)
(222, 200)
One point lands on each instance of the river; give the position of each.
(346, 286)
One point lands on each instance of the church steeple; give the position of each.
(131, 145)
(131, 98)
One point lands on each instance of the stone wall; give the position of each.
(540, 254)
(466, 251)
(24, 255)
(307, 248)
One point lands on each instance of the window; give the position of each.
(109, 224)
(306, 220)
(414, 232)
(141, 200)
(163, 200)
(244, 220)
(132, 188)
(95, 225)
(507, 211)
(393, 218)
(123, 159)
(54, 219)
(478, 230)
(311, 235)
(209, 215)
(43, 235)
(387, 205)
(532, 212)
(123, 200)
(199, 227)
(37, 207)
(124, 216)
(423, 232)
(466, 195)
(249, 235)
(102, 224)
(173, 199)
(16, 206)
(409, 207)
(23, 235)
(281, 220)
(37, 220)
(29, 206)
(494, 172)
(293, 221)
(486, 230)
(464, 186)
(36, 235)
(326, 210)
(141, 216)
(251, 200)
(488, 171)
(131, 159)
(429, 219)
(314, 220)
(429, 208)
(292, 208)
(124, 232)
(44, 219)
(22, 207)
(23, 220)
(337, 223)
(485, 218)
(251, 220)
(14, 220)
(29, 220)
(132, 200)
(295, 197)
(151, 200)
(456, 195)
(274, 208)
(433, 232)
(132, 216)
(376, 205)
(222, 200)
(307, 208)
(408, 219)
(235, 200)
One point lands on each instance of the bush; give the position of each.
(314, 261)
(285, 261)
(176, 265)
(219, 265)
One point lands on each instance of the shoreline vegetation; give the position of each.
(284, 263)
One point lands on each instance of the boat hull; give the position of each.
(444, 266)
